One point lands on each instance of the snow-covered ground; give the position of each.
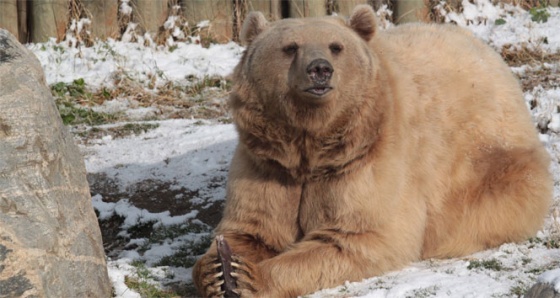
(186, 161)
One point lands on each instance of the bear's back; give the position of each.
(461, 82)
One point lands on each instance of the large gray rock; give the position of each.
(542, 290)
(50, 243)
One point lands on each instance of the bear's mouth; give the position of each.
(318, 90)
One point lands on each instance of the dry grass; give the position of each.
(186, 32)
(77, 13)
(124, 21)
(527, 55)
(546, 77)
(543, 69)
(200, 98)
(435, 16)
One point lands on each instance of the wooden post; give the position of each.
(410, 11)
(22, 11)
(307, 8)
(151, 14)
(345, 7)
(270, 8)
(49, 18)
(218, 12)
(9, 16)
(103, 15)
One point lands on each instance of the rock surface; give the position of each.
(542, 290)
(50, 243)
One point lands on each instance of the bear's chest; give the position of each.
(313, 164)
(348, 202)
(320, 204)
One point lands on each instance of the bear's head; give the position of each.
(306, 72)
(307, 91)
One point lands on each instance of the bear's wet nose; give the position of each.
(319, 71)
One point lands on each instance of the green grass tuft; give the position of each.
(492, 264)
(69, 97)
(141, 283)
(187, 255)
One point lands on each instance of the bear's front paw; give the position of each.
(210, 280)
(240, 277)
(226, 275)
(247, 277)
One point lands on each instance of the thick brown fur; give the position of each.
(423, 148)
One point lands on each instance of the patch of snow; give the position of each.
(203, 24)
(105, 62)
(125, 7)
(187, 153)
(517, 29)
(118, 270)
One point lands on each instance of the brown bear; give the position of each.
(364, 150)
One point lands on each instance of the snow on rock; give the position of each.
(552, 277)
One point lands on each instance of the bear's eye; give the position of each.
(335, 48)
(290, 49)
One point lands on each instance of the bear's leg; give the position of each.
(355, 246)
(506, 202)
(327, 258)
(259, 222)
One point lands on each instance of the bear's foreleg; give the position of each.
(328, 258)
(259, 222)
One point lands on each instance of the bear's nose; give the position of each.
(319, 71)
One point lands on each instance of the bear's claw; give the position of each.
(229, 285)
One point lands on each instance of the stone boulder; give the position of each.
(50, 243)
(542, 290)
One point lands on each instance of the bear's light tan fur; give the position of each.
(423, 148)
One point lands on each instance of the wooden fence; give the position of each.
(38, 20)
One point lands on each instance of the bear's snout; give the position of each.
(320, 71)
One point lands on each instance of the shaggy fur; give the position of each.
(423, 148)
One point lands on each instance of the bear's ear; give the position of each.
(254, 24)
(363, 21)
